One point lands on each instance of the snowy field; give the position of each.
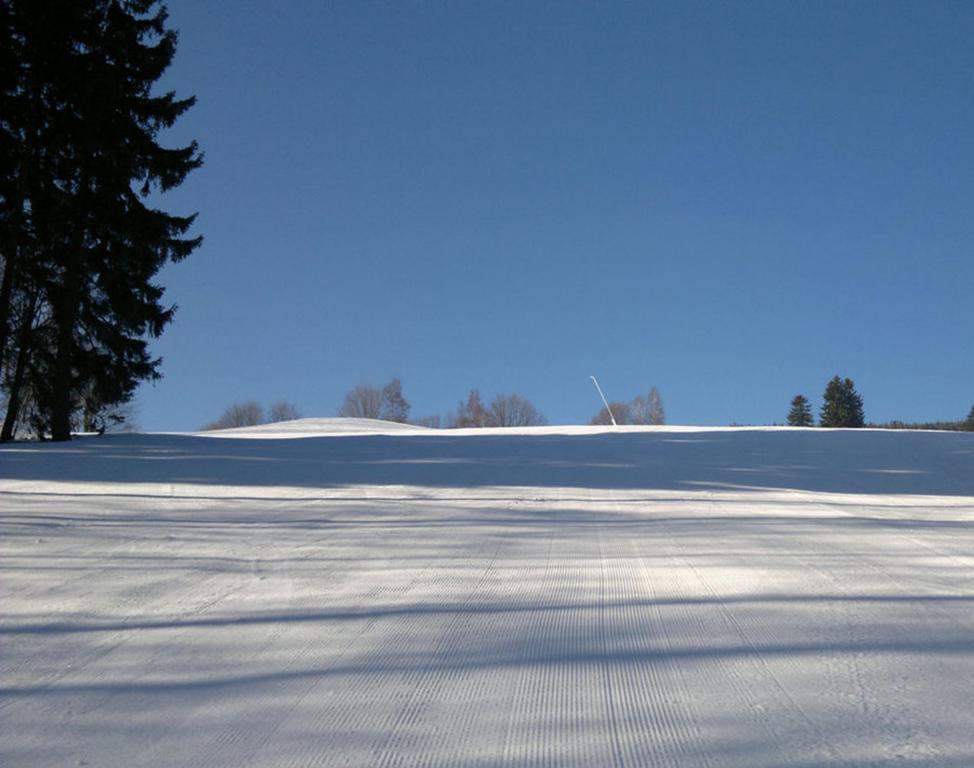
(325, 593)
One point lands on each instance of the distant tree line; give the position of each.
(842, 406)
(966, 425)
(251, 413)
(389, 404)
(504, 410)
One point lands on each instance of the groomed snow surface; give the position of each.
(316, 595)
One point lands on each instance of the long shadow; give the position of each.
(843, 461)
(423, 610)
(509, 657)
(521, 521)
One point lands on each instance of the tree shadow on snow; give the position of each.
(844, 461)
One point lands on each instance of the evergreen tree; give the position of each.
(80, 136)
(970, 420)
(800, 414)
(842, 405)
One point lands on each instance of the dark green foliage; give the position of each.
(79, 237)
(967, 425)
(800, 414)
(939, 426)
(842, 406)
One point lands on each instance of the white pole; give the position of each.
(594, 381)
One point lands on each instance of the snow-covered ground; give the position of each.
(313, 596)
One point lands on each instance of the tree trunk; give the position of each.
(61, 378)
(61, 385)
(6, 290)
(14, 398)
(15, 391)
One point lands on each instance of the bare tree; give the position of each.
(639, 410)
(513, 410)
(432, 422)
(471, 413)
(395, 407)
(247, 414)
(656, 413)
(363, 402)
(283, 411)
(621, 411)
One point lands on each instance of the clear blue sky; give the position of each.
(730, 201)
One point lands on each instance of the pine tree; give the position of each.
(970, 420)
(842, 405)
(800, 414)
(85, 123)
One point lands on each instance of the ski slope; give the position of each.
(332, 593)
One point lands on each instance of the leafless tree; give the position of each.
(639, 410)
(247, 414)
(395, 407)
(363, 402)
(283, 411)
(621, 412)
(471, 413)
(513, 410)
(367, 402)
(432, 422)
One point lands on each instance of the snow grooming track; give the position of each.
(651, 718)
(655, 698)
(333, 594)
